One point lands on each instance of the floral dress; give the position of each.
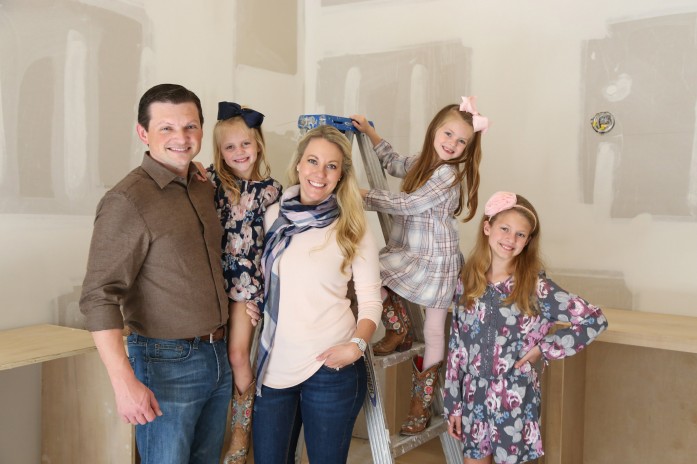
(500, 404)
(243, 236)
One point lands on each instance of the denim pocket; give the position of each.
(159, 350)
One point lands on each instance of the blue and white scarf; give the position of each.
(293, 218)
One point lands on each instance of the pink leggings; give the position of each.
(434, 336)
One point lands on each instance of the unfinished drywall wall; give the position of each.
(643, 73)
(611, 214)
(70, 74)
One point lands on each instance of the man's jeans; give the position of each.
(192, 383)
(326, 405)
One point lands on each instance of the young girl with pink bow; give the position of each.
(506, 306)
(422, 258)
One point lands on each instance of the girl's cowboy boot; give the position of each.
(424, 385)
(396, 320)
(241, 424)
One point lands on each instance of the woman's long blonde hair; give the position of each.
(467, 164)
(526, 266)
(351, 224)
(261, 169)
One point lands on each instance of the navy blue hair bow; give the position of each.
(227, 110)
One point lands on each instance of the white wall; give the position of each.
(523, 59)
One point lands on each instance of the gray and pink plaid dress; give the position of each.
(422, 258)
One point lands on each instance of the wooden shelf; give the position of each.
(650, 330)
(40, 343)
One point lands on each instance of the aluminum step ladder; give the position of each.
(385, 446)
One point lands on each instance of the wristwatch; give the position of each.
(362, 345)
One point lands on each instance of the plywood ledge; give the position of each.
(39, 343)
(650, 330)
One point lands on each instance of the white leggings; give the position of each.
(434, 336)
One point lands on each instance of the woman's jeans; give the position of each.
(192, 383)
(326, 405)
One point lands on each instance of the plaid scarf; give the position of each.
(293, 218)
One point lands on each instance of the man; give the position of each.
(155, 255)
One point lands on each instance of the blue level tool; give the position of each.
(310, 121)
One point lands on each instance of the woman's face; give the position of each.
(319, 171)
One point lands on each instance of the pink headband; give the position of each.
(502, 201)
(479, 122)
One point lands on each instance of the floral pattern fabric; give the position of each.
(498, 403)
(243, 236)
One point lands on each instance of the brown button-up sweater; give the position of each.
(155, 254)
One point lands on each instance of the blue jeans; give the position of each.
(192, 383)
(326, 405)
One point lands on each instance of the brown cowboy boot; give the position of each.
(424, 384)
(241, 424)
(396, 321)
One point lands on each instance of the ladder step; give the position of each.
(402, 444)
(395, 358)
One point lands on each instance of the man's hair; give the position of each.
(166, 93)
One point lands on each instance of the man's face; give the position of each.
(174, 135)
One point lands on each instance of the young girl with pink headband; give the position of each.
(422, 258)
(506, 306)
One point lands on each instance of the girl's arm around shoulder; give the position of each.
(582, 321)
(366, 279)
(438, 189)
(272, 192)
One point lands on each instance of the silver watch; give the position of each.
(362, 345)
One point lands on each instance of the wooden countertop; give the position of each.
(651, 330)
(39, 343)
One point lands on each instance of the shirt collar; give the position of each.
(160, 174)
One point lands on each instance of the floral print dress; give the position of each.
(243, 236)
(498, 403)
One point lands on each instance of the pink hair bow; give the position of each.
(479, 122)
(502, 201)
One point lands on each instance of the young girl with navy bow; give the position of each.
(244, 190)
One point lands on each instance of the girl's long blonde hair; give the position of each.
(351, 224)
(467, 165)
(526, 266)
(261, 169)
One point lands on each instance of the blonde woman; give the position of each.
(311, 369)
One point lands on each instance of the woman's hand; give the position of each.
(364, 192)
(253, 312)
(455, 427)
(531, 356)
(341, 355)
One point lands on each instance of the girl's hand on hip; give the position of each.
(531, 356)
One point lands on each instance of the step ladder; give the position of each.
(386, 447)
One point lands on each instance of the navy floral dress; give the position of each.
(500, 404)
(243, 236)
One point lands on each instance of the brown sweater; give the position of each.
(155, 253)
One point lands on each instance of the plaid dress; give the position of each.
(422, 258)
